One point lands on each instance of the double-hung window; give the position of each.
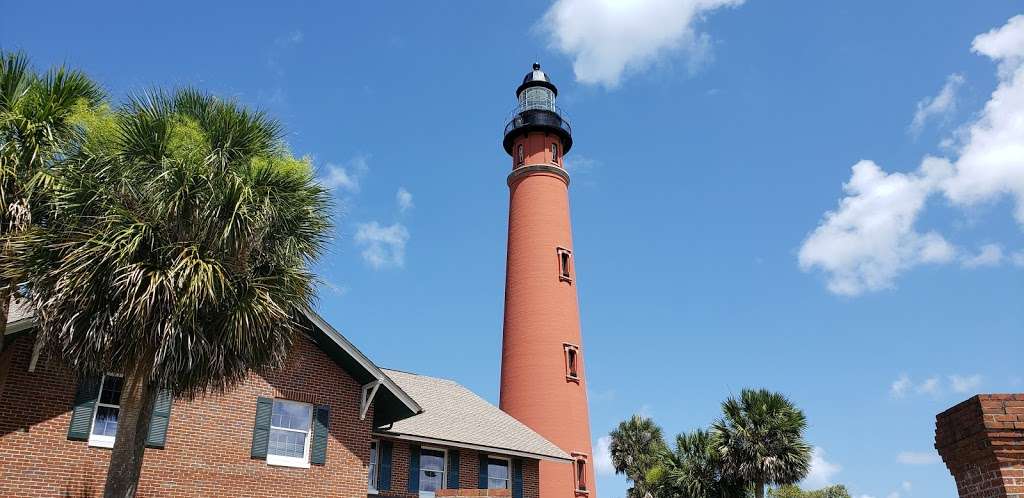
(432, 470)
(498, 473)
(108, 407)
(374, 458)
(290, 423)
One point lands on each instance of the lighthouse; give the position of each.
(543, 383)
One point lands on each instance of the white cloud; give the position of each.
(404, 199)
(607, 38)
(870, 239)
(930, 386)
(345, 177)
(900, 386)
(964, 384)
(906, 486)
(1017, 259)
(293, 38)
(603, 461)
(821, 471)
(917, 458)
(940, 106)
(988, 255)
(383, 247)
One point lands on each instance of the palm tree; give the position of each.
(693, 470)
(36, 123)
(636, 446)
(760, 438)
(177, 254)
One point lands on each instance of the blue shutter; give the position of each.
(453, 469)
(414, 469)
(384, 474)
(517, 478)
(482, 482)
(157, 436)
(81, 413)
(321, 427)
(261, 428)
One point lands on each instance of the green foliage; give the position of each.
(636, 446)
(180, 243)
(761, 439)
(693, 470)
(793, 491)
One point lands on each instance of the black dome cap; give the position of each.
(536, 77)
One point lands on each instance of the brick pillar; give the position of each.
(982, 442)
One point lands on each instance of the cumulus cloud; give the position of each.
(404, 199)
(988, 255)
(917, 458)
(603, 460)
(383, 246)
(941, 106)
(871, 239)
(901, 386)
(964, 384)
(345, 177)
(821, 471)
(608, 38)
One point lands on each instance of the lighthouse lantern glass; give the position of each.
(537, 98)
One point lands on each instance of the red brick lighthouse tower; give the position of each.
(542, 377)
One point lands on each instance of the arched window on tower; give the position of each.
(564, 265)
(580, 471)
(520, 155)
(572, 362)
(554, 153)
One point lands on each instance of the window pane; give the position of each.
(111, 393)
(291, 415)
(287, 443)
(106, 421)
(373, 453)
(432, 460)
(497, 483)
(431, 480)
(497, 469)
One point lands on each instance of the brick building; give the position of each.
(981, 440)
(330, 423)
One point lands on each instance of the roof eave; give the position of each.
(475, 447)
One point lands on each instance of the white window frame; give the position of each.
(554, 152)
(581, 478)
(373, 469)
(444, 470)
(508, 462)
(575, 352)
(284, 461)
(95, 439)
(564, 264)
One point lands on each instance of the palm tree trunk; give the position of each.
(759, 489)
(137, 397)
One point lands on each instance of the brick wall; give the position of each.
(469, 473)
(981, 440)
(208, 441)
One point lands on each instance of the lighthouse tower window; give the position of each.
(554, 153)
(572, 361)
(520, 155)
(564, 265)
(581, 472)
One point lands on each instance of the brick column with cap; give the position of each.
(981, 440)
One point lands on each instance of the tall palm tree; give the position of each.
(636, 446)
(179, 248)
(693, 470)
(760, 438)
(36, 123)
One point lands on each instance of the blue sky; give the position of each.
(711, 140)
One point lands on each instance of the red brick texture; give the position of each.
(982, 442)
(208, 442)
(469, 474)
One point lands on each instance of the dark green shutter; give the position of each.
(321, 426)
(483, 471)
(157, 436)
(81, 413)
(414, 469)
(453, 469)
(384, 474)
(261, 428)
(517, 478)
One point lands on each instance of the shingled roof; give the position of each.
(454, 415)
